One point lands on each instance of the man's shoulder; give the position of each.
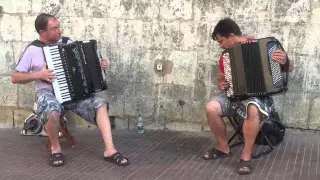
(31, 48)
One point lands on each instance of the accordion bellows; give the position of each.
(251, 71)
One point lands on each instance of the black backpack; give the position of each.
(273, 129)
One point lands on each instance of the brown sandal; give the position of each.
(245, 167)
(215, 154)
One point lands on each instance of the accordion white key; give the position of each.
(251, 71)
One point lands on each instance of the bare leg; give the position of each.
(250, 130)
(217, 125)
(52, 127)
(103, 124)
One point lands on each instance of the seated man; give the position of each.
(227, 33)
(32, 67)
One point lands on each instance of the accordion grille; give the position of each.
(228, 73)
(275, 67)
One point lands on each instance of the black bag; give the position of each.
(273, 129)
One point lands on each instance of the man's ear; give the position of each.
(232, 36)
(41, 32)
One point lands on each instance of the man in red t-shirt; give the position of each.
(227, 33)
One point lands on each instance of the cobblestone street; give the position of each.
(154, 155)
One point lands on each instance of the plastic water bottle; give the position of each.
(140, 125)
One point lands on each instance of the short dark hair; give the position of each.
(225, 27)
(41, 22)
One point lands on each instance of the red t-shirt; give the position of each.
(221, 59)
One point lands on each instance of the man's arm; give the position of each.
(26, 77)
(291, 66)
(23, 77)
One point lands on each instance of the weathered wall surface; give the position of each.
(135, 34)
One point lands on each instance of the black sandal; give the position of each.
(117, 159)
(56, 159)
(215, 154)
(245, 167)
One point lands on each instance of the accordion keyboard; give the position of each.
(55, 63)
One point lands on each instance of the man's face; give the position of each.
(226, 42)
(53, 31)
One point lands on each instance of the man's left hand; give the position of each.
(104, 64)
(279, 56)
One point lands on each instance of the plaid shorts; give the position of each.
(230, 108)
(86, 109)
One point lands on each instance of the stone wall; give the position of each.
(136, 35)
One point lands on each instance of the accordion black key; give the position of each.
(251, 71)
(77, 68)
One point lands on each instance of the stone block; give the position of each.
(140, 98)
(6, 58)
(19, 116)
(314, 121)
(133, 65)
(29, 32)
(174, 9)
(296, 109)
(206, 74)
(10, 27)
(194, 35)
(55, 7)
(278, 103)
(146, 9)
(26, 93)
(6, 120)
(73, 27)
(102, 29)
(184, 126)
(210, 55)
(143, 65)
(16, 6)
(175, 103)
(229, 128)
(312, 81)
(75, 121)
(211, 11)
(172, 35)
(120, 123)
(292, 11)
(308, 41)
(184, 68)
(139, 34)
(18, 48)
(120, 66)
(115, 95)
(130, 9)
(8, 95)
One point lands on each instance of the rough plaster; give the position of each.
(135, 34)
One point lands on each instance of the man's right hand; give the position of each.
(46, 74)
(222, 83)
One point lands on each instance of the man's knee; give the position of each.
(214, 107)
(103, 106)
(253, 112)
(54, 116)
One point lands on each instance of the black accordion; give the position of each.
(77, 68)
(251, 71)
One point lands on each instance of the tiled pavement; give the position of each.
(154, 155)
